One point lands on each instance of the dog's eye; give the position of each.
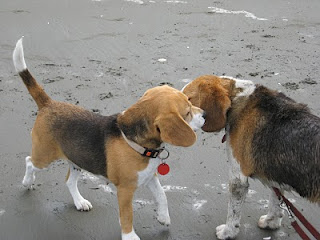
(189, 98)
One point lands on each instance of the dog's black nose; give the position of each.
(204, 114)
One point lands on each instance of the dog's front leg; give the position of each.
(125, 196)
(274, 217)
(161, 199)
(238, 188)
(72, 183)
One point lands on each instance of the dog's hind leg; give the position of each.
(238, 187)
(43, 153)
(29, 176)
(274, 217)
(161, 199)
(72, 183)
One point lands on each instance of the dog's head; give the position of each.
(162, 114)
(211, 94)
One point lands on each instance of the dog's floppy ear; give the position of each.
(174, 130)
(215, 101)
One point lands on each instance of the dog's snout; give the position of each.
(198, 119)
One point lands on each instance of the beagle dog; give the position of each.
(122, 147)
(269, 137)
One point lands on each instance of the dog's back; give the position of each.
(285, 146)
(81, 134)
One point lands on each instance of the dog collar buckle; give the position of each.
(152, 153)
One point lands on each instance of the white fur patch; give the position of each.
(80, 203)
(147, 174)
(247, 86)
(18, 57)
(161, 199)
(275, 214)
(29, 176)
(197, 122)
(130, 236)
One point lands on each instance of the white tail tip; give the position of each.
(18, 57)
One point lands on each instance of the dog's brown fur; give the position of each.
(163, 110)
(95, 142)
(270, 137)
(244, 116)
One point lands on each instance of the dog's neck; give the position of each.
(138, 131)
(238, 88)
(239, 92)
(147, 152)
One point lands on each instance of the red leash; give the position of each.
(292, 210)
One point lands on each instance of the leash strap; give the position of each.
(299, 230)
(301, 218)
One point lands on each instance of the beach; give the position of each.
(103, 55)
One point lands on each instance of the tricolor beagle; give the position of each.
(269, 137)
(110, 145)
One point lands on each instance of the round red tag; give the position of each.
(163, 169)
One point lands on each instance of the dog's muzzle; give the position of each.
(197, 121)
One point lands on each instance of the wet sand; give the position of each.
(103, 55)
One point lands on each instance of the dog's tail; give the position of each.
(35, 90)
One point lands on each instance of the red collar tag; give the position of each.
(163, 168)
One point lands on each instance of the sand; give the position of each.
(103, 55)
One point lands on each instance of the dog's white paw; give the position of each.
(29, 176)
(83, 205)
(28, 181)
(225, 232)
(130, 236)
(269, 222)
(164, 219)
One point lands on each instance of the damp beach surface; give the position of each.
(103, 55)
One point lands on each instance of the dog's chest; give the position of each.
(146, 175)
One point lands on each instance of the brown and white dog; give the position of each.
(269, 137)
(116, 147)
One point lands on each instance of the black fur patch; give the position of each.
(287, 148)
(83, 136)
(27, 78)
(138, 128)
